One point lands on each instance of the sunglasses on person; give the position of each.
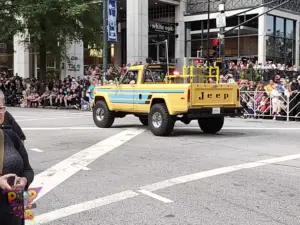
(2, 109)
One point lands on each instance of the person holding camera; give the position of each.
(15, 171)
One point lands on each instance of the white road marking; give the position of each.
(50, 118)
(246, 128)
(54, 176)
(215, 172)
(291, 146)
(22, 116)
(70, 210)
(36, 150)
(224, 128)
(82, 168)
(158, 197)
(60, 128)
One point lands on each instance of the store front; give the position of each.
(239, 43)
(158, 33)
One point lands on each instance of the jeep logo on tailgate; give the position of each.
(211, 96)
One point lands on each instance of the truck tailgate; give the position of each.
(207, 95)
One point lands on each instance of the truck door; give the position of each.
(142, 91)
(123, 97)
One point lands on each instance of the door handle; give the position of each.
(140, 96)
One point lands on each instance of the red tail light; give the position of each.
(189, 95)
(176, 73)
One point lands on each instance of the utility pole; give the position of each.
(104, 4)
(208, 29)
(222, 30)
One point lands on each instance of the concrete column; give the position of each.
(297, 43)
(35, 63)
(180, 31)
(137, 30)
(262, 25)
(73, 65)
(189, 44)
(21, 56)
(118, 51)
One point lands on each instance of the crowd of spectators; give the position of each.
(268, 91)
(271, 90)
(70, 92)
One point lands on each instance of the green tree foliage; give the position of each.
(51, 24)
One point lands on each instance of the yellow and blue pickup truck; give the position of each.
(159, 100)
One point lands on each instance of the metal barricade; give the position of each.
(261, 104)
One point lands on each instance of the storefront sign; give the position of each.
(74, 64)
(161, 27)
(112, 21)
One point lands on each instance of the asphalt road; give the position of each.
(247, 174)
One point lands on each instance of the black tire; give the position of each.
(167, 121)
(108, 117)
(144, 120)
(211, 125)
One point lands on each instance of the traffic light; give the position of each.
(216, 48)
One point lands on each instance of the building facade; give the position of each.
(143, 25)
(270, 37)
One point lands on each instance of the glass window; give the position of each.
(270, 25)
(289, 48)
(130, 77)
(279, 48)
(50, 61)
(279, 32)
(270, 46)
(290, 29)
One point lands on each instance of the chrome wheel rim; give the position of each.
(156, 120)
(100, 114)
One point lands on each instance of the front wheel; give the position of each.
(161, 123)
(211, 125)
(103, 117)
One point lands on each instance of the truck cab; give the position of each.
(159, 97)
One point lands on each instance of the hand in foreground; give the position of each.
(4, 182)
(21, 183)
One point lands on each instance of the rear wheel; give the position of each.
(144, 120)
(161, 123)
(103, 117)
(211, 125)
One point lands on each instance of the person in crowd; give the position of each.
(270, 87)
(74, 84)
(16, 162)
(43, 100)
(52, 97)
(276, 101)
(10, 120)
(294, 97)
(264, 105)
(34, 99)
(90, 92)
(60, 98)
